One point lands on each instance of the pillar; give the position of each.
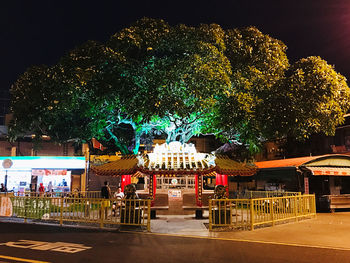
(218, 179)
(306, 185)
(13, 151)
(199, 189)
(84, 177)
(152, 187)
(224, 178)
(126, 179)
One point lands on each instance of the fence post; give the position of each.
(210, 215)
(251, 214)
(296, 207)
(313, 198)
(61, 211)
(149, 215)
(102, 213)
(272, 212)
(25, 209)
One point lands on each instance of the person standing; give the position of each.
(41, 189)
(3, 188)
(106, 194)
(117, 204)
(105, 191)
(50, 187)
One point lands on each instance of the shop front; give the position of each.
(326, 176)
(26, 173)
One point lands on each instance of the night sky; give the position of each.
(40, 32)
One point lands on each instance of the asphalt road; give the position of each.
(113, 246)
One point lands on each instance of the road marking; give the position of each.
(23, 259)
(242, 240)
(44, 246)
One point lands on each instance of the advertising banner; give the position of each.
(39, 172)
(5, 206)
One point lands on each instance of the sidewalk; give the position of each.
(327, 230)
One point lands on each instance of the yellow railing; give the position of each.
(249, 213)
(265, 194)
(134, 212)
(79, 194)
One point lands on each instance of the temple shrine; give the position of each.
(177, 171)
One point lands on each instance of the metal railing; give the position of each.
(264, 194)
(134, 212)
(79, 194)
(249, 213)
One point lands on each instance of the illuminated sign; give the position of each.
(48, 172)
(176, 155)
(26, 163)
(7, 163)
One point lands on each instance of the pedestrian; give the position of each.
(50, 187)
(117, 204)
(3, 188)
(106, 194)
(119, 194)
(41, 189)
(105, 191)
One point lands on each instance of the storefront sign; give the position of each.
(306, 185)
(39, 172)
(174, 193)
(7, 163)
(5, 206)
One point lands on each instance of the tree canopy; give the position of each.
(179, 81)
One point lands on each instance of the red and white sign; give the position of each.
(48, 172)
(306, 185)
(97, 145)
(336, 171)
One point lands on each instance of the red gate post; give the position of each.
(218, 179)
(225, 182)
(126, 179)
(199, 189)
(123, 182)
(152, 187)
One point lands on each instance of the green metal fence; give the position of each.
(134, 212)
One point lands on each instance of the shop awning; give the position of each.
(330, 171)
(290, 162)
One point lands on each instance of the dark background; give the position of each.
(40, 32)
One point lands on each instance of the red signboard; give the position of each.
(48, 172)
(306, 185)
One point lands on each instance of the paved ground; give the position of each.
(326, 230)
(112, 246)
(181, 239)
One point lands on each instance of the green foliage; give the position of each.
(179, 81)
(312, 98)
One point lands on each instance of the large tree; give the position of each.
(179, 81)
(312, 98)
(258, 62)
